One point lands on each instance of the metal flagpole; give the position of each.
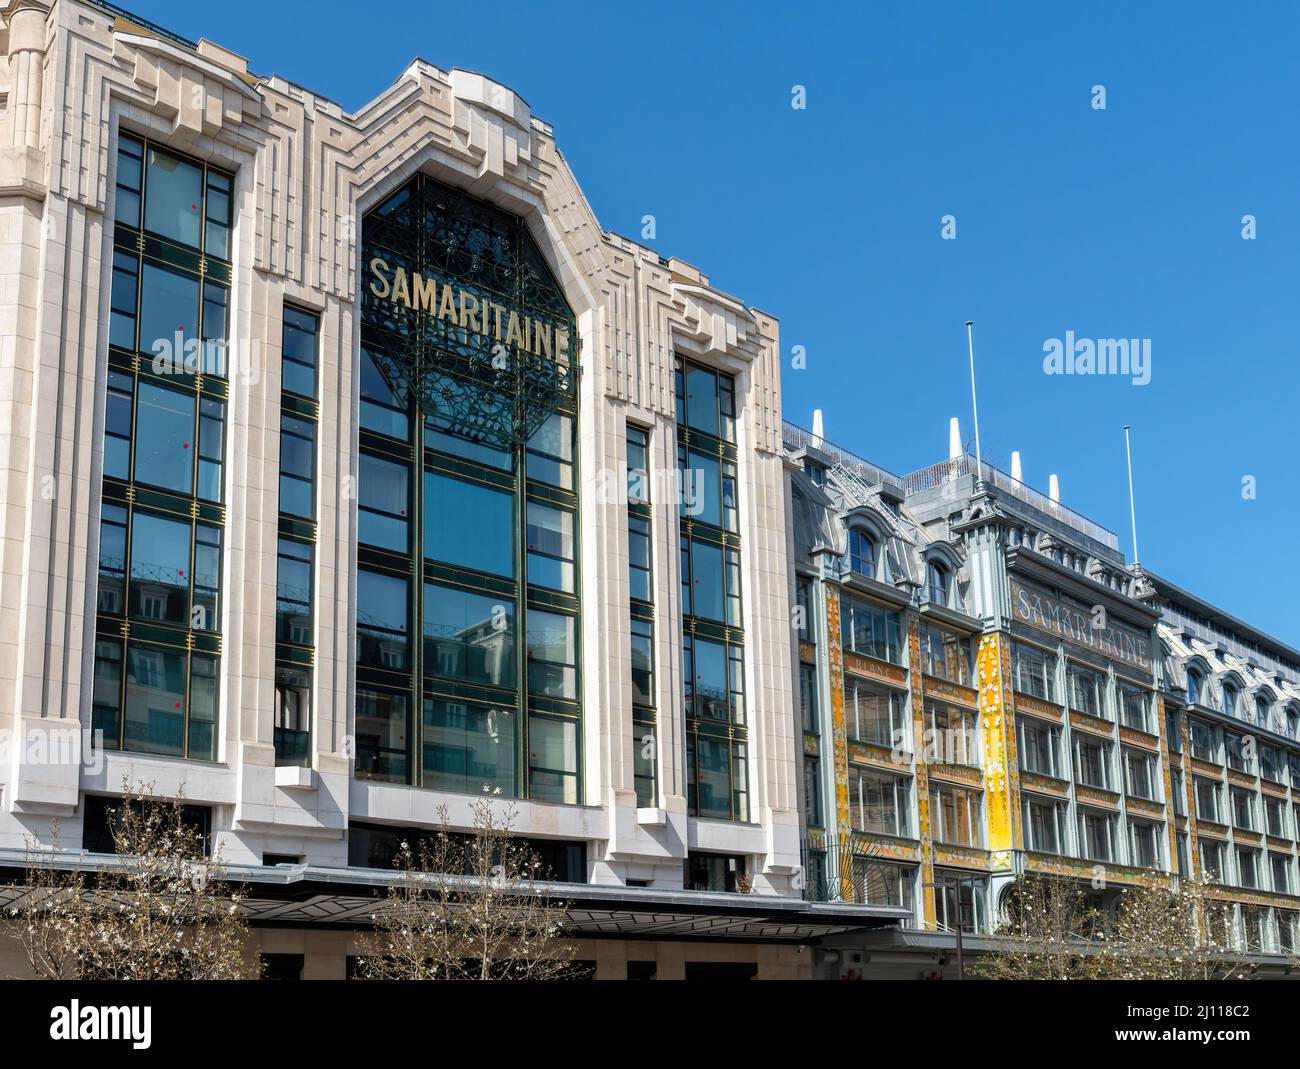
(975, 408)
(1132, 509)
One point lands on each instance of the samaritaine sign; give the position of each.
(1091, 628)
(460, 308)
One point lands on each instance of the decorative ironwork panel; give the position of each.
(460, 308)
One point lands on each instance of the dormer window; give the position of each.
(1193, 687)
(1261, 712)
(1230, 705)
(937, 583)
(862, 554)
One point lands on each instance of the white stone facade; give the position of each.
(74, 75)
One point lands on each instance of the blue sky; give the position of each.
(1117, 223)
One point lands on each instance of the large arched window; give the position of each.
(862, 553)
(1293, 722)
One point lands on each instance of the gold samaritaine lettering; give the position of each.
(379, 285)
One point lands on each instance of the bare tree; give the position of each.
(1051, 932)
(163, 912)
(1181, 932)
(469, 907)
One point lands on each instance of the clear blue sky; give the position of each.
(1122, 222)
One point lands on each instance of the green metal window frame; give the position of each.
(118, 632)
(468, 409)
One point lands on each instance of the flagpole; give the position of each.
(974, 403)
(1132, 508)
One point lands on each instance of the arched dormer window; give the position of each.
(1231, 703)
(1194, 686)
(1293, 722)
(936, 583)
(862, 553)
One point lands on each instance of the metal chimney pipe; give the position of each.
(955, 449)
(1015, 467)
(817, 428)
(1054, 488)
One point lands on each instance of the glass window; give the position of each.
(638, 549)
(946, 655)
(1213, 860)
(1193, 687)
(1247, 868)
(1034, 671)
(469, 636)
(553, 759)
(1239, 752)
(468, 747)
(638, 464)
(1280, 870)
(130, 181)
(107, 693)
(878, 802)
(871, 630)
(1230, 704)
(1243, 809)
(1085, 689)
(292, 716)
(1091, 762)
(1097, 835)
(1208, 794)
(716, 777)
(701, 478)
(155, 700)
(951, 734)
(297, 466)
(160, 569)
(293, 592)
(204, 615)
(202, 738)
(164, 438)
(117, 425)
(382, 728)
(812, 798)
(550, 546)
(382, 614)
(550, 452)
(1204, 744)
(384, 499)
(1274, 816)
(383, 410)
(1039, 746)
(1271, 766)
(1140, 774)
(173, 198)
(299, 344)
(1144, 843)
(874, 713)
(1134, 707)
(552, 655)
(212, 423)
(702, 399)
(808, 698)
(937, 583)
(217, 238)
(468, 525)
(642, 662)
(169, 317)
(1044, 824)
(862, 553)
(645, 774)
(112, 561)
(879, 883)
(216, 320)
(959, 900)
(126, 284)
(713, 680)
(956, 815)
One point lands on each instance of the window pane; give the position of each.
(469, 636)
(550, 547)
(468, 525)
(551, 654)
(155, 700)
(203, 708)
(381, 735)
(702, 399)
(553, 759)
(169, 316)
(468, 747)
(160, 569)
(173, 198)
(382, 611)
(384, 498)
(164, 438)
